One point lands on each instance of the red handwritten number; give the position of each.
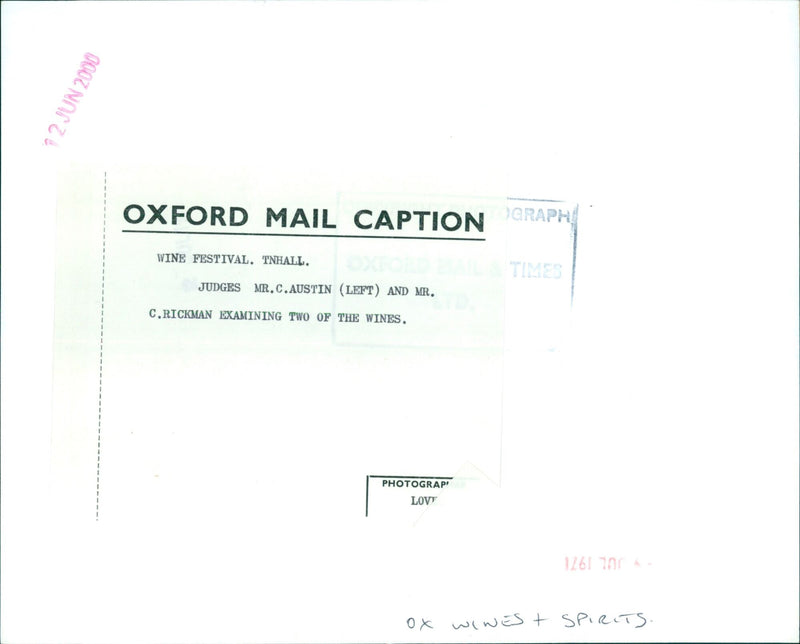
(49, 142)
(50, 129)
(78, 80)
(96, 60)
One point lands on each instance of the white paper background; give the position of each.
(666, 427)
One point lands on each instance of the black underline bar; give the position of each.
(544, 200)
(390, 476)
(210, 232)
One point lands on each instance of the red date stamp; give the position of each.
(576, 564)
(86, 70)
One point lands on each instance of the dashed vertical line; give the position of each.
(574, 254)
(102, 320)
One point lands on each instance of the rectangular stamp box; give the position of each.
(402, 495)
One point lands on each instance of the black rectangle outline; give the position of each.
(393, 476)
